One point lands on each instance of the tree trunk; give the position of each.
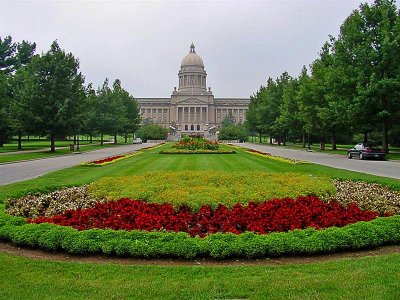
(365, 137)
(126, 137)
(115, 138)
(385, 139)
(270, 140)
(303, 138)
(260, 138)
(2, 138)
(91, 137)
(28, 137)
(74, 139)
(279, 140)
(334, 147)
(284, 140)
(52, 142)
(101, 139)
(309, 141)
(19, 139)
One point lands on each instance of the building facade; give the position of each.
(192, 107)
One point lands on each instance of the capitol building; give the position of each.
(192, 107)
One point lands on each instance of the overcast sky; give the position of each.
(142, 43)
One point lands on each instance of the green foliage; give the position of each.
(111, 110)
(152, 132)
(142, 244)
(197, 188)
(12, 58)
(50, 93)
(233, 132)
(353, 86)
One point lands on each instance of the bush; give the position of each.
(142, 244)
(152, 132)
(233, 132)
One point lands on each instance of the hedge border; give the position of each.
(142, 244)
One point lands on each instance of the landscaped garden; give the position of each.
(205, 206)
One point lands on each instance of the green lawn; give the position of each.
(36, 145)
(151, 160)
(18, 156)
(362, 278)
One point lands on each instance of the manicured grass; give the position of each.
(363, 278)
(36, 145)
(36, 155)
(151, 160)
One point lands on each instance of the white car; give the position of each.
(137, 141)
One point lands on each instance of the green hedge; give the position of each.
(142, 244)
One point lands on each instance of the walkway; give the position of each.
(374, 167)
(19, 171)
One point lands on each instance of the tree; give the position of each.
(228, 121)
(131, 106)
(369, 38)
(12, 57)
(53, 93)
(233, 132)
(108, 113)
(152, 132)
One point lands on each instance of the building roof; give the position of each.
(192, 59)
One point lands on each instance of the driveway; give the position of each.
(19, 171)
(374, 167)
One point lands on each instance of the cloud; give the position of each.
(242, 43)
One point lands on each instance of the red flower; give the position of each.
(276, 215)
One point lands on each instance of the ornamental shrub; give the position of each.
(381, 231)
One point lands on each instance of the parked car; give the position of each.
(137, 141)
(363, 151)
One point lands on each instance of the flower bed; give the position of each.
(277, 215)
(198, 188)
(196, 142)
(368, 196)
(152, 147)
(51, 204)
(108, 160)
(198, 151)
(278, 158)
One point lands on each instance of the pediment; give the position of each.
(192, 101)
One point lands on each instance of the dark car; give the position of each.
(363, 151)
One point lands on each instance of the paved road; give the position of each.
(374, 167)
(20, 171)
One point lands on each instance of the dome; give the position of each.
(192, 59)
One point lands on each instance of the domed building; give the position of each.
(192, 108)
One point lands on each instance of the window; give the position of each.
(198, 127)
(192, 127)
(186, 127)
